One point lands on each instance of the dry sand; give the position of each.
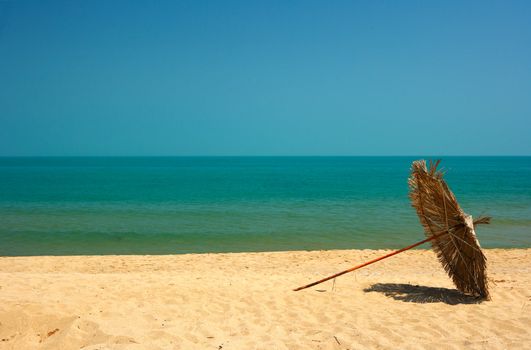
(244, 301)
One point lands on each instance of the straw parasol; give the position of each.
(447, 227)
(457, 247)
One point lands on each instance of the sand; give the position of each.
(244, 301)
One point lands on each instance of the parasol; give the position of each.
(449, 229)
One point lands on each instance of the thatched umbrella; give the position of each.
(449, 229)
(457, 248)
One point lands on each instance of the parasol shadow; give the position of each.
(422, 294)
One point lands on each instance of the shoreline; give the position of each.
(340, 250)
(245, 301)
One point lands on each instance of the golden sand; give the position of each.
(245, 301)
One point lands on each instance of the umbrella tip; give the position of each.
(482, 220)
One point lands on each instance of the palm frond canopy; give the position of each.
(458, 250)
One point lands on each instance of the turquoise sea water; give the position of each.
(159, 205)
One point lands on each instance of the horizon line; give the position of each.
(263, 156)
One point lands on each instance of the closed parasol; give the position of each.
(449, 229)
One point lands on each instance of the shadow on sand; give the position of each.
(421, 294)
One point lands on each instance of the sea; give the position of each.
(175, 205)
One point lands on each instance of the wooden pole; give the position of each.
(371, 262)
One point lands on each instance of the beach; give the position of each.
(245, 301)
(173, 173)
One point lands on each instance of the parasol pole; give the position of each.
(372, 261)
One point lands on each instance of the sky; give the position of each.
(182, 78)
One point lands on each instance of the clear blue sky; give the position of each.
(265, 78)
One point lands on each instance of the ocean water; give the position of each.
(165, 205)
